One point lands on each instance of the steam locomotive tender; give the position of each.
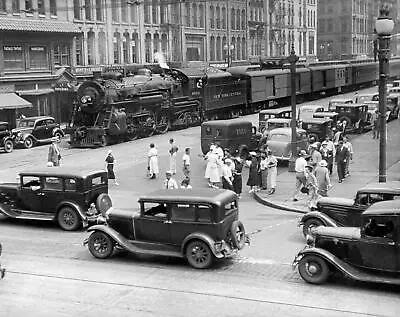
(114, 108)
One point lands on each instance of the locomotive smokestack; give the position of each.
(160, 59)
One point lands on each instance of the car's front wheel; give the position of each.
(68, 219)
(313, 269)
(199, 255)
(100, 245)
(8, 146)
(310, 224)
(29, 142)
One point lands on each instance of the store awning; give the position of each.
(38, 25)
(13, 101)
(35, 92)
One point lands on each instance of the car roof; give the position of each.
(200, 195)
(36, 118)
(279, 120)
(340, 100)
(316, 120)
(311, 106)
(368, 94)
(387, 207)
(3, 122)
(389, 187)
(276, 110)
(226, 123)
(352, 105)
(285, 131)
(60, 171)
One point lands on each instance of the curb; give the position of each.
(276, 206)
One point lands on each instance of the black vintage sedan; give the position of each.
(344, 212)
(200, 225)
(369, 252)
(71, 198)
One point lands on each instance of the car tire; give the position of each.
(100, 245)
(103, 203)
(198, 254)
(238, 234)
(313, 269)
(68, 219)
(8, 146)
(311, 223)
(29, 142)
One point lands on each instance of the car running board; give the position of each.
(26, 214)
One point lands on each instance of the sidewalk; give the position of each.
(363, 170)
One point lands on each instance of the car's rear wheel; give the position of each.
(68, 219)
(8, 146)
(29, 142)
(199, 255)
(313, 269)
(238, 234)
(100, 245)
(310, 224)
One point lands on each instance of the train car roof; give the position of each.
(324, 67)
(226, 123)
(243, 69)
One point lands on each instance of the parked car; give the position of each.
(361, 98)
(271, 124)
(279, 142)
(2, 269)
(230, 134)
(355, 116)
(32, 131)
(369, 252)
(306, 112)
(6, 139)
(71, 198)
(393, 105)
(373, 106)
(201, 225)
(344, 212)
(333, 103)
(318, 128)
(264, 115)
(327, 115)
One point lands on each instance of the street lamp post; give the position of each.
(384, 27)
(292, 59)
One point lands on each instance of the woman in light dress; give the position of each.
(213, 167)
(272, 166)
(152, 161)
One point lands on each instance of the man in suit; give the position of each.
(342, 156)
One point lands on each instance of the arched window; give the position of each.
(243, 20)
(135, 48)
(126, 42)
(233, 19)
(244, 52)
(164, 44)
(232, 49)
(218, 17)
(237, 19)
(238, 49)
(212, 17)
(91, 48)
(116, 47)
(102, 47)
(212, 48)
(147, 48)
(218, 49)
(156, 43)
(223, 18)
(154, 11)
(201, 16)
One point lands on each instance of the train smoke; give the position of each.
(160, 59)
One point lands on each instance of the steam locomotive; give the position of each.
(114, 108)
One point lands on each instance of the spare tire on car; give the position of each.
(238, 234)
(103, 203)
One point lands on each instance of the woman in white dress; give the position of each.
(152, 163)
(212, 169)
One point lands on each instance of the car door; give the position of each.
(153, 223)
(39, 130)
(52, 193)
(183, 222)
(50, 126)
(31, 193)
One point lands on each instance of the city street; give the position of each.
(50, 272)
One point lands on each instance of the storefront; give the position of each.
(10, 104)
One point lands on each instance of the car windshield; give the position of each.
(274, 125)
(362, 99)
(26, 123)
(372, 107)
(279, 137)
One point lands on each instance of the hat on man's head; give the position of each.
(324, 143)
(252, 153)
(228, 161)
(323, 163)
(314, 145)
(309, 167)
(302, 153)
(168, 173)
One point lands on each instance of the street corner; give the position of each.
(282, 201)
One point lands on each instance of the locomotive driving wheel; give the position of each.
(132, 132)
(163, 124)
(149, 127)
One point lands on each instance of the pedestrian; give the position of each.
(330, 144)
(342, 155)
(227, 174)
(172, 156)
(315, 155)
(220, 152)
(300, 169)
(110, 161)
(338, 136)
(212, 169)
(323, 179)
(254, 179)
(347, 143)
(186, 184)
(54, 155)
(375, 124)
(186, 163)
(169, 182)
(152, 162)
(312, 186)
(264, 171)
(237, 173)
(327, 155)
(272, 166)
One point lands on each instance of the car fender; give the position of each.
(28, 135)
(55, 130)
(73, 205)
(203, 237)
(320, 216)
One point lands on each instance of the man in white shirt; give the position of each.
(172, 156)
(186, 163)
(347, 143)
(227, 174)
(169, 182)
(300, 169)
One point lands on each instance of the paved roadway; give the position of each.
(50, 273)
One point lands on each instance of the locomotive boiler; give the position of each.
(114, 108)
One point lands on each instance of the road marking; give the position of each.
(271, 226)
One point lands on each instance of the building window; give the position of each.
(223, 18)
(212, 17)
(114, 12)
(15, 6)
(154, 11)
(156, 43)
(102, 47)
(41, 7)
(218, 49)
(233, 19)
(164, 43)
(218, 17)
(38, 57)
(77, 9)
(146, 9)
(28, 6)
(88, 9)
(91, 48)
(201, 16)
(125, 46)
(238, 19)
(124, 11)
(13, 57)
(163, 14)
(187, 14)
(134, 13)
(116, 45)
(135, 49)
(78, 51)
(194, 15)
(61, 54)
(99, 10)
(53, 8)
(147, 48)
(311, 45)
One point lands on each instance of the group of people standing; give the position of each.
(263, 169)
